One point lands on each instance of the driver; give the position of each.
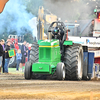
(57, 33)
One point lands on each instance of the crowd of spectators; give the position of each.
(21, 55)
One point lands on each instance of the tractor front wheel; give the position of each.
(28, 70)
(60, 71)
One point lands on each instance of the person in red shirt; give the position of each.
(16, 45)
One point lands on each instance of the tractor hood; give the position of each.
(48, 42)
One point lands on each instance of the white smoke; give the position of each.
(71, 9)
(15, 18)
(33, 25)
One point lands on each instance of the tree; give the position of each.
(29, 38)
(33, 6)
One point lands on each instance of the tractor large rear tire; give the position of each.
(28, 70)
(34, 53)
(73, 60)
(34, 57)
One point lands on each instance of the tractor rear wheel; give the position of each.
(28, 70)
(60, 71)
(34, 53)
(34, 56)
(73, 60)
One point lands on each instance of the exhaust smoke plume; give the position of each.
(14, 18)
(71, 9)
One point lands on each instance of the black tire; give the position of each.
(73, 61)
(28, 70)
(12, 62)
(34, 57)
(60, 71)
(34, 53)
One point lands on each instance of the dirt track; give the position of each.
(16, 87)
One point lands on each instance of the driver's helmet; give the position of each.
(56, 30)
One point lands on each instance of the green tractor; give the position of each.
(55, 56)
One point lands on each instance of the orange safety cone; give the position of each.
(91, 95)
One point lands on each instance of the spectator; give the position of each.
(7, 58)
(28, 53)
(27, 48)
(18, 58)
(1, 54)
(27, 45)
(24, 54)
(91, 29)
(16, 45)
(3, 60)
(8, 40)
(11, 43)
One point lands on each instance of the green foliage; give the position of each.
(72, 9)
(29, 38)
(4, 36)
(33, 6)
